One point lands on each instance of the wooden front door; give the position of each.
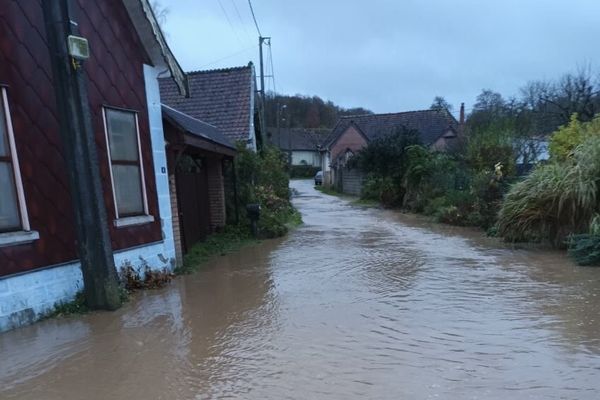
(192, 196)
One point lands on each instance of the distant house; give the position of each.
(39, 260)
(224, 98)
(303, 145)
(196, 153)
(437, 129)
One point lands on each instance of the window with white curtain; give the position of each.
(127, 173)
(13, 212)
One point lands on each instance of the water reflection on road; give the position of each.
(356, 303)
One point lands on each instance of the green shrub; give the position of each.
(435, 204)
(584, 249)
(263, 178)
(274, 224)
(489, 148)
(565, 140)
(232, 238)
(429, 175)
(454, 208)
(371, 189)
(76, 306)
(488, 189)
(450, 215)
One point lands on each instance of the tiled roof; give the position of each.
(430, 124)
(298, 138)
(221, 97)
(196, 127)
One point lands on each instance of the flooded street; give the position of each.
(357, 303)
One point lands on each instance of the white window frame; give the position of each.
(136, 219)
(24, 234)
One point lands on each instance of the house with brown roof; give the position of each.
(303, 146)
(224, 98)
(437, 129)
(40, 229)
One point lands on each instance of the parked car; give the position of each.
(319, 178)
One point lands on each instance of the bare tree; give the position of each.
(160, 12)
(575, 93)
(440, 103)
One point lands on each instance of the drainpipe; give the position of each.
(101, 285)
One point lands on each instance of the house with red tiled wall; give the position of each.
(436, 128)
(38, 253)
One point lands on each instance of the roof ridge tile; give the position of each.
(208, 71)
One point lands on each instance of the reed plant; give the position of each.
(555, 200)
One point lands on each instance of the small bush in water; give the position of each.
(584, 249)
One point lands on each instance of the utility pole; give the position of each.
(261, 41)
(289, 124)
(101, 285)
(278, 126)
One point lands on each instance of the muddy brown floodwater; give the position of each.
(355, 304)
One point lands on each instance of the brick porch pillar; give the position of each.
(176, 223)
(216, 193)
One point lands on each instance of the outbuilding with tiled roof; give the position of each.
(196, 154)
(223, 98)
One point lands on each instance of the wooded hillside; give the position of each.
(300, 111)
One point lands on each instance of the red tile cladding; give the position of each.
(115, 77)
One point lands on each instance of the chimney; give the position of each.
(461, 119)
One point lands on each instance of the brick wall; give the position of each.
(216, 193)
(175, 218)
(350, 139)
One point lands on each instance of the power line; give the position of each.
(237, 11)
(229, 56)
(254, 17)
(229, 21)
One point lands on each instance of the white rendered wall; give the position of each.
(160, 159)
(310, 157)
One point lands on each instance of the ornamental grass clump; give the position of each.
(555, 200)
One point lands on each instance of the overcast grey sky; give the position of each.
(391, 55)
